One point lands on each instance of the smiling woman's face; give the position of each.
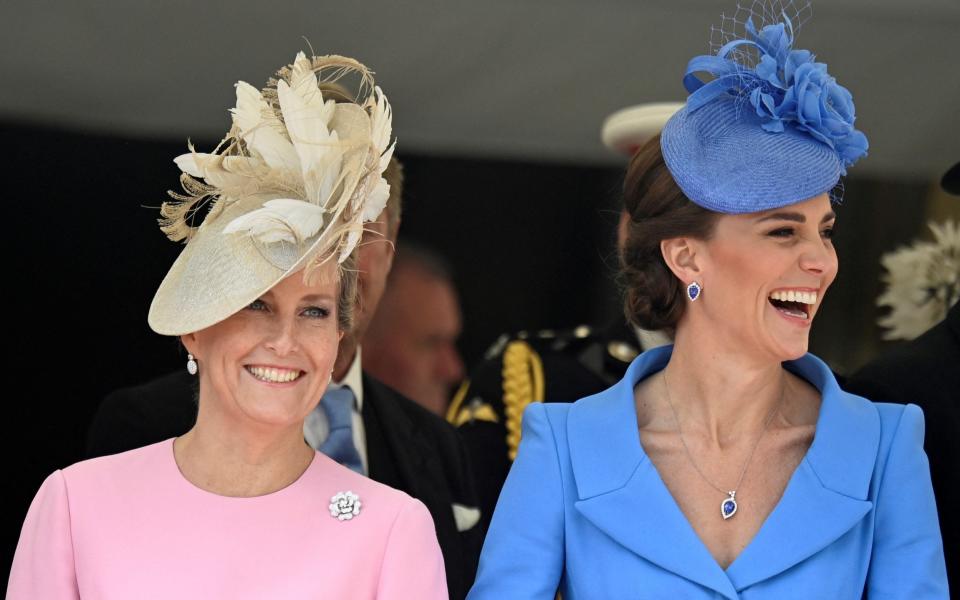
(270, 363)
(765, 274)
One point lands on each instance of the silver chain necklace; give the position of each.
(728, 507)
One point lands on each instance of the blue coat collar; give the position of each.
(622, 494)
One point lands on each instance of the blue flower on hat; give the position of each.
(786, 87)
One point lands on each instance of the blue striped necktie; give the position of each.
(337, 403)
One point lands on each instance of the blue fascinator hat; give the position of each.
(772, 128)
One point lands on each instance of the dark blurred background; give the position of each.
(498, 107)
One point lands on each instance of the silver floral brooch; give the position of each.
(344, 506)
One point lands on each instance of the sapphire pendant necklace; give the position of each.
(728, 507)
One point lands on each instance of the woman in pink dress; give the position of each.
(241, 506)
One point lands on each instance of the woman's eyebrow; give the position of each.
(316, 297)
(795, 216)
(784, 216)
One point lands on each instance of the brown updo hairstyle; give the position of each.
(658, 210)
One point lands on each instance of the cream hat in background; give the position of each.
(629, 128)
(288, 189)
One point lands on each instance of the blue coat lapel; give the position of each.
(827, 495)
(643, 517)
(622, 494)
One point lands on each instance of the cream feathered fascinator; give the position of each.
(923, 283)
(288, 188)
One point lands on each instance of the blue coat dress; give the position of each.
(585, 512)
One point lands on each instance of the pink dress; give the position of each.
(130, 526)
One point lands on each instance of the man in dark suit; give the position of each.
(545, 366)
(404, 446)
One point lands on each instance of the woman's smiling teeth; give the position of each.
(793, 302)
(274, 375)
(795, 296)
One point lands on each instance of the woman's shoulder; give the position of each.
(105, 484)
(131, 466)
(552, 412)
(893, 419)
(882, 430)
(547, 421)
(590, 416)
(383, 518)
(892, 414)
(900, 424)
(578, 433)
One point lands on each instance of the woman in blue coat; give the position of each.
(731, 464)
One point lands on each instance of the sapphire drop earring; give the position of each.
(693, 291)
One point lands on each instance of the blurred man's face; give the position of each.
(411, 342)
(374, 260)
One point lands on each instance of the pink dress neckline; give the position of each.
(180, 480)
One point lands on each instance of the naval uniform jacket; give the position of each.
(408, 448)
(571, 364)
(585, 511)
